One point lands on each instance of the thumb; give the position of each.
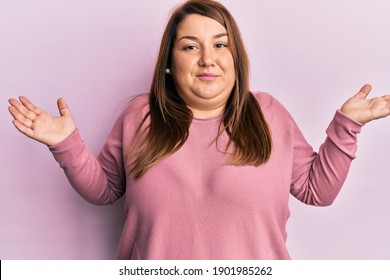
(364, 91)
(63, 107)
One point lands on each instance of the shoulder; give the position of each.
(133, 114)
(270, 106)
(136, 108)
(137, 104)
(280, 121)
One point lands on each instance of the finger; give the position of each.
(381, 107)
(22, 109)
(386, 99)
(16, 104)
(386, 105)
(29, 105)
(23, 129)
(19, 117)
(63, 107)
(364, 91)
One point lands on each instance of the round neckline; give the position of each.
(216, 117)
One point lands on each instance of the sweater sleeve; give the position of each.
(100, 180)
(318, 177)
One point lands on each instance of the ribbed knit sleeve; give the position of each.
(318, 177)
(98, 180)
(101, 179)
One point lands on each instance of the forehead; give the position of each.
(199, 26)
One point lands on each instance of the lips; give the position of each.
(207, 76)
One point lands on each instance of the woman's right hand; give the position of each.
(39, 125)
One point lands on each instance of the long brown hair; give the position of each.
(169, 118)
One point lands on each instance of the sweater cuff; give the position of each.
(69, 150)
(344, 124)
(343, 131)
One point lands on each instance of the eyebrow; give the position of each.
(194, 38)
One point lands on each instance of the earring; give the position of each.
(168, 71)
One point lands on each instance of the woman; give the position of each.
(205, 165)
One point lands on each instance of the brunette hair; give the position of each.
(169, 118)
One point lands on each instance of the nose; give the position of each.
(206, 58)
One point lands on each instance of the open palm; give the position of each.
(364, 110)
(38, 124)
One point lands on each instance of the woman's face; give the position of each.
(202, 65)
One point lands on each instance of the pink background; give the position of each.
(311, 55)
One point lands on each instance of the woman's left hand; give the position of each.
(363, 110)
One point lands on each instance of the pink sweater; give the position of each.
(193, 206)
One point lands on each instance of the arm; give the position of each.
(99, 180)
(317, 178)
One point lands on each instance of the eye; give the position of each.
(221, 45)
(189, 48)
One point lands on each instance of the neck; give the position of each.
(206, 113)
